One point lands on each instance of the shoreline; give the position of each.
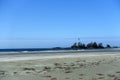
(63, 55)
(59, 50)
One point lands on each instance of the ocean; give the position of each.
(11, 54)
(24, 49)
(56, 50)
(34, 49)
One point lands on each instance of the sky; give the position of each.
(53, 23)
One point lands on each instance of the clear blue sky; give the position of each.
(50, 23)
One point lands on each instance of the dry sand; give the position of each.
(75, 66)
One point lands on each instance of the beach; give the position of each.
(69, 65)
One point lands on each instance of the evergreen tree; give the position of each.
(108, 46)
(100, 45)
(74, 46)
(94, 45)
(83, 46)
(79, 45)
(90, 45)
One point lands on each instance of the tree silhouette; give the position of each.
(94, 45)
(79, 45)
(83, 45)
(108, 46)
(74, 46)
(100, 45)
(91, 45)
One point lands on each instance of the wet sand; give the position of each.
(73, 66)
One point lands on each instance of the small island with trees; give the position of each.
(91, 45)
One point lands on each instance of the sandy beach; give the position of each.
(68, 66)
